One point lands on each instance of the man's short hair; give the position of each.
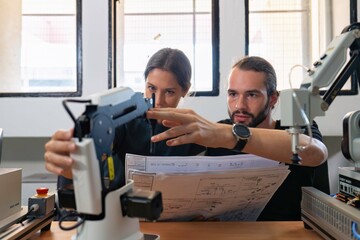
(259, 64)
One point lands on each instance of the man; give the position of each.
(251, 129)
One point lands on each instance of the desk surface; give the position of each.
(207, 230)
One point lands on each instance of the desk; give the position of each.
(207, 230)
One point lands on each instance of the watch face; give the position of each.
(242, 131)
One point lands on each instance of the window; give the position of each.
(43, 53)
(292, 32)
(144, 26)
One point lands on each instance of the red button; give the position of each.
(42, 191)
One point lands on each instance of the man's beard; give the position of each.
(255, 120)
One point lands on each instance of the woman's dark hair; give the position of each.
(174, 61)
(259, 64)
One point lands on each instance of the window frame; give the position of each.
(79, 66)
(112, 81)
(354, 81)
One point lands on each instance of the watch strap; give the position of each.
(240, 145)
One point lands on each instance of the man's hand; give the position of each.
(186, 126)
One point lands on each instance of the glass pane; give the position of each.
(174, 29)
(48, 7)
(275, 5)
(292, 32)
(158, 6)
(168, 25)
(202, 80)
(48, 53)
(203, 6)
(41, 51)
(286, 46)
(145, 41)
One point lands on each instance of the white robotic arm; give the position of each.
(300, 106)
(108, 206)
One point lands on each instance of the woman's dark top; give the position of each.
(134, 137)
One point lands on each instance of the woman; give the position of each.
(167, 75)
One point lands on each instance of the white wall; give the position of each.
(40, 117)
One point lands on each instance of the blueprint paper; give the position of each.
(196, 163)
(227, 188)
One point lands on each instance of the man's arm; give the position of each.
(188, 127)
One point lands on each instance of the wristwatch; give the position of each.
(242, 134)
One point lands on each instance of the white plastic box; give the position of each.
(10, 190)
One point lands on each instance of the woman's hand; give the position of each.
(57, 153)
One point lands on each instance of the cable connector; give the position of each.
(34, 208)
